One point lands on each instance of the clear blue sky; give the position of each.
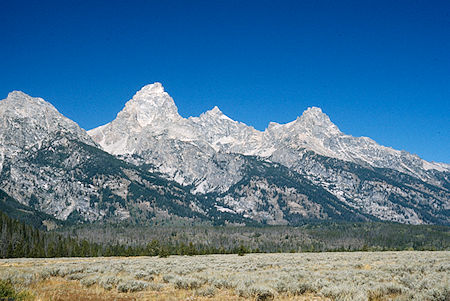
(377, 68)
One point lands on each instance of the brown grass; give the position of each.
(367, 276)
(59, 289)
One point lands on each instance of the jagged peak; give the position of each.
(152, 94)
(314, 116)
(314, 109)
(19, 95)
(42, 120)
(314, 112)
(21, 102)
(151, 102)
(155, 88)
(16, 93)
(273, 125)
(216, 110)
(216, 113)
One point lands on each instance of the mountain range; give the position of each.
(151, 165)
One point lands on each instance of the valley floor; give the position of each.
(282, 276)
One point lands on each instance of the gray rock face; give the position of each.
(222, 169)
(26, 122)
(185, 150)
(149, 126)
(49, 163)
(383, 193)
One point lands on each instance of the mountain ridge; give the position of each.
(227, 171)
(182, 149)
(312, 128)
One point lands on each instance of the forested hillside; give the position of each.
(317, 237)
(22, 240)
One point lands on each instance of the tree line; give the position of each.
(21, 240)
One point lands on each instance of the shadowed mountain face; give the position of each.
(151, 164)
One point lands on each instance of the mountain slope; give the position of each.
(160, 166)
(383, 193)
(152, 114)
(72, 180)
(26, 121)
(270, 193)
(50, 164)
(356, 170)
(31, 216)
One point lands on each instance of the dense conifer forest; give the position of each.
(21, 240)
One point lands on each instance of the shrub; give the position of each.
(168, 278)
(188, 283)
(262, 293)
(131, 286)
(208, 291)
(7, 292)
(144, 276)
(222, 283)
(293, 287)
(89, 281)
(76, 276)
(107, 282)
(44, 274)
(435, 294)
(155, 286)
(258, 291)
(6, 289)
(341, 293)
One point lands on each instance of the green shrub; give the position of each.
(7, 291)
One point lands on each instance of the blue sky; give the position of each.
(377, 68)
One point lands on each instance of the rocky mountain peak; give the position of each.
(216, 110)
(150, 89)
(280, 175)
(313, 119)
(21, 103)
(27, 121)
(17, 95)
(150, 104)
(215, 113)
(314, 114)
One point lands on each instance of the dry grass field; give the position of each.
(296, 276)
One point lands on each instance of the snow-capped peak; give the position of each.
(150, 107)
(314, 110)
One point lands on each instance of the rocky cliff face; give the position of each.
(189, 151)
(50, 164)
(151, 164)
(26, 122)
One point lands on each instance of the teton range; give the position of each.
(151, 164)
